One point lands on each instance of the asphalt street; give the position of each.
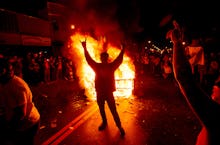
(157, 114)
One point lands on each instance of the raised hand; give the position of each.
(174, 34)
(83, 43)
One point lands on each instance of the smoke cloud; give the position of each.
(110, 18)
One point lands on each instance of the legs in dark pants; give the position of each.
(101, 104)
(111, 104)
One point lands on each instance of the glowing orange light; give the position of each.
(72, 26)
(124, 75)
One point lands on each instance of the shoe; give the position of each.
(102, 126)
(122, 132)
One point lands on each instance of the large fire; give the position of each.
(124, 75)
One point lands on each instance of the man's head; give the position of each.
(104, 57)
(6, 70)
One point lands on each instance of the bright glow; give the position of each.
(72, 27)
(124, 75)
(183, 43)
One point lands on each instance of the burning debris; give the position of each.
(124, 75)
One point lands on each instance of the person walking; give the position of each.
(19, 118)
(105, 84)
(205, 108)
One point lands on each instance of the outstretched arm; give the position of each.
(89, 59)
(202, 105)
(119, 59)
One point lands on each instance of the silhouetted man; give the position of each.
(105, 84)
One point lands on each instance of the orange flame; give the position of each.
(124, 75)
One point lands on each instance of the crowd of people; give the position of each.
(205, 64)
(38, 67)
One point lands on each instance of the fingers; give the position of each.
(83, 43)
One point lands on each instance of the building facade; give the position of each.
(29, 28)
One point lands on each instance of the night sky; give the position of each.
(139, 17)
(144, 16)
(199, 17)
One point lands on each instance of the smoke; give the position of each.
(110, 18)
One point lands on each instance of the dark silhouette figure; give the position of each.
(205, 108)
(105, 84)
